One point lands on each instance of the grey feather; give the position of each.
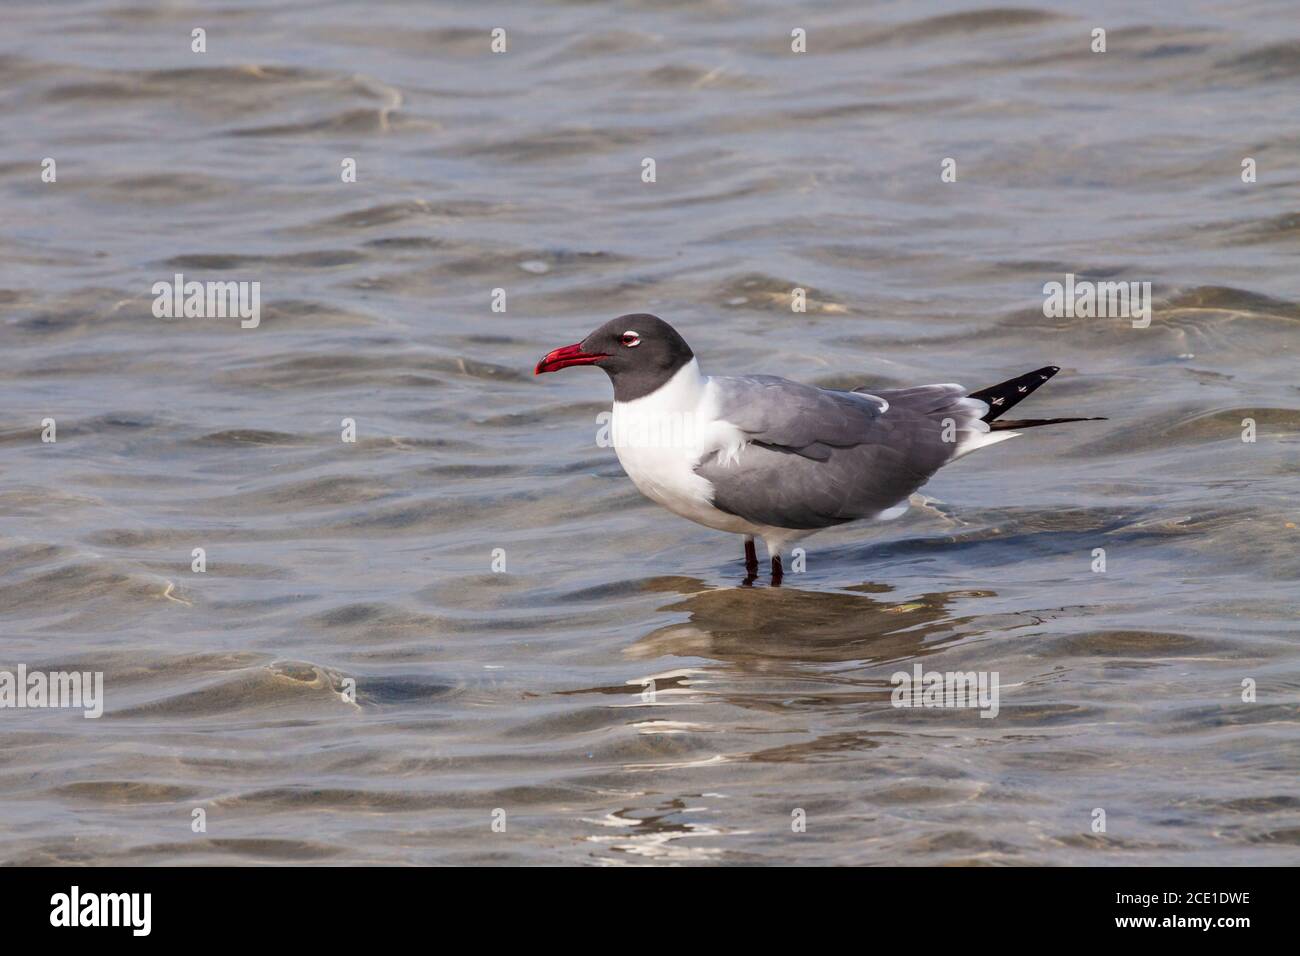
(819, 457)
(807, 420)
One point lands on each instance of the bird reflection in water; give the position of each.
(761, 628)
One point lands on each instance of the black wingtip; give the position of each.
(1001, 397)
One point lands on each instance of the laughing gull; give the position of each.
(765, 457)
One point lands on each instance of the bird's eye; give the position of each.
(630, 339)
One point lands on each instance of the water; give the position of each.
(477, 691)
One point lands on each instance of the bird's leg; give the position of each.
(751, 561)
(776, 571)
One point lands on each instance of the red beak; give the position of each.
(564, 357)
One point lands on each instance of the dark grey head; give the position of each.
(639, 352)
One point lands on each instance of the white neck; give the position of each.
(680, 393)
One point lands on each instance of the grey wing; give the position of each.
(818, 457)
(807, 420)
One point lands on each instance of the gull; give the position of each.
(764, 457)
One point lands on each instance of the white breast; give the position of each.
(661, 437)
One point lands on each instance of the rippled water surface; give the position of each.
(523, 691)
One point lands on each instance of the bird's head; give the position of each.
(639, 352)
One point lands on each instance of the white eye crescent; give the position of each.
(630, 339)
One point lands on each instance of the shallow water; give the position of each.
(523, 691)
